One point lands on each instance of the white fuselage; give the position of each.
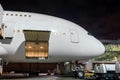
(67, 42)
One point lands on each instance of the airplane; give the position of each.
(31, 37)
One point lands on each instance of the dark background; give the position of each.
(100, 17)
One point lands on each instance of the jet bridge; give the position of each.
(36, 44)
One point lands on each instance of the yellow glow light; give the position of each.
(29, 47)
(41, 47)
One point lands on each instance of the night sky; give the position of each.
(100, 17)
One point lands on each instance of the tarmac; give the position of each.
(43, 77)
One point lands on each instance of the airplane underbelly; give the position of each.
(38, 48)
(55, 54)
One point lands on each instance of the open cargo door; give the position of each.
(36, 44)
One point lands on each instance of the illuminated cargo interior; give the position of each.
(36, 44)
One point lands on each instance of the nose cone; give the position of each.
(97, 48)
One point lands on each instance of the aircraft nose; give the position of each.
(97, 48)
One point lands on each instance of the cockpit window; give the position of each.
(89, 34)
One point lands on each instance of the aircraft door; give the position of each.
(74, 36)
(36, 44)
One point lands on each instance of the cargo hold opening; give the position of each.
(36, 44)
